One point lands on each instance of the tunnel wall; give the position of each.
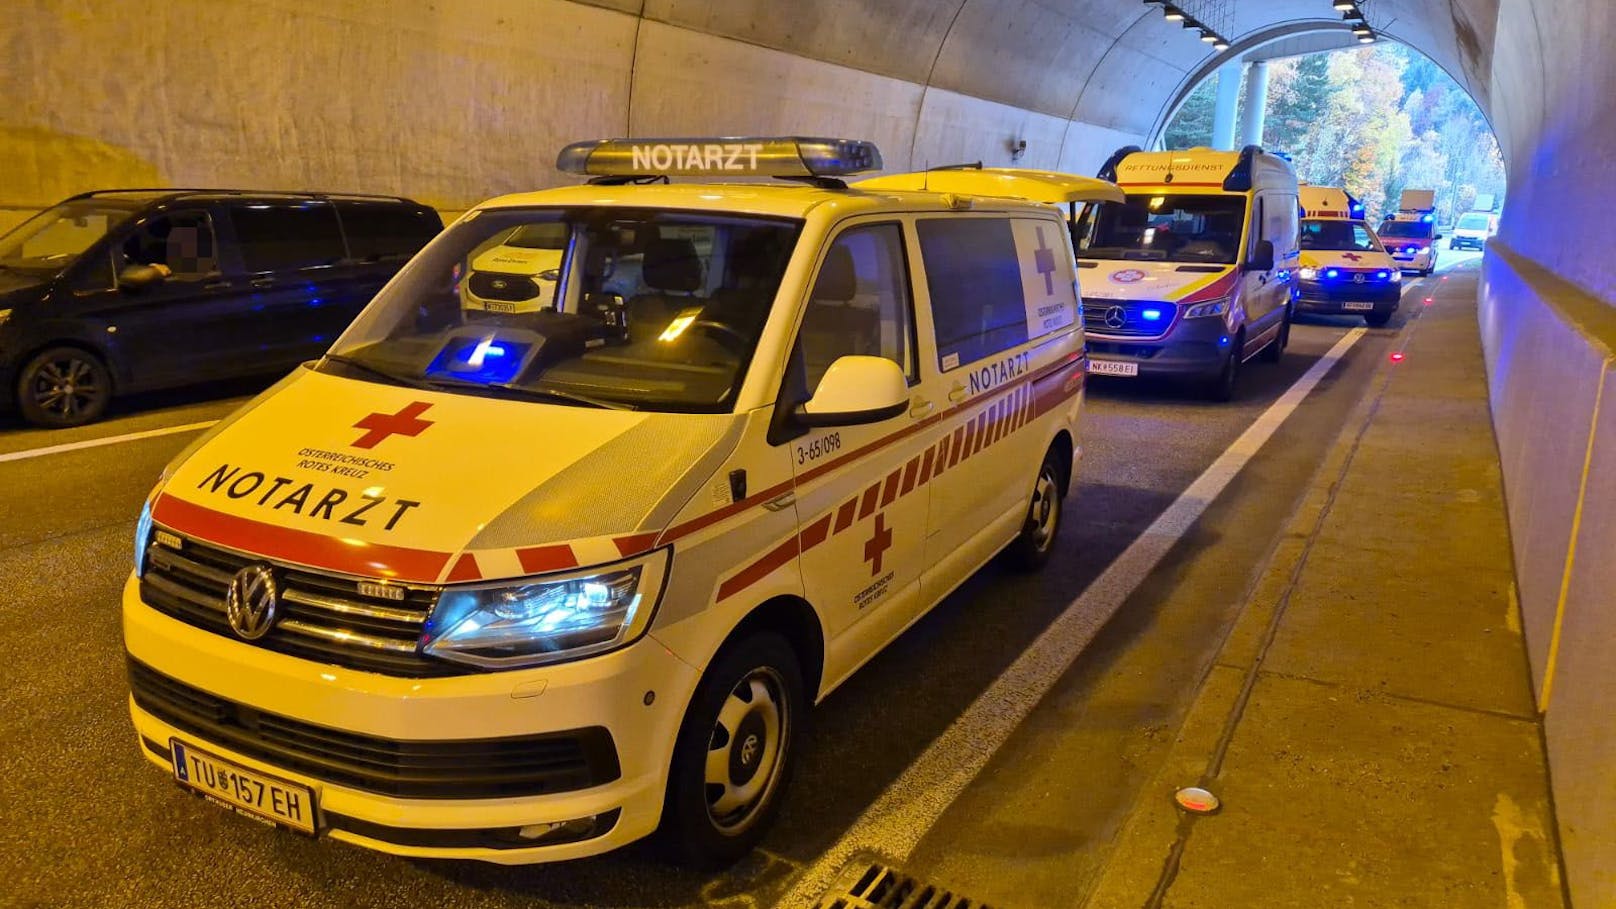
(452, 103)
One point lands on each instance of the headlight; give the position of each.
(142, 534)
(1308, 274)
(547, 619)
(1201, 310)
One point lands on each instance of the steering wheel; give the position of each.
(720, 331)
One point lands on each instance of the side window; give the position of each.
(977, 300)
(181, 242)
(1279, 223)
(860, 303)
(282, 236)
(384, 231)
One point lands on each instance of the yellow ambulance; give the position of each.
(527, 586)
(1344, 268)
(1193, 274)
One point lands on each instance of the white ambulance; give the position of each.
(519, 274)
(1410, 235)
(1344, 269)
(527, 586)
(1194, 273)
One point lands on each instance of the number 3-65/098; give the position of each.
(815, 449)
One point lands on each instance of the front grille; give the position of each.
(322, 617)
(497, 286)
(1099, 316)
(465, 768)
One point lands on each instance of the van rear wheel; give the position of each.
(62, 387)
(735, 752)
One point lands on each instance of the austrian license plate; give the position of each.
(499, 307)
(1113, 368)
(244, 791)
(1354, 304)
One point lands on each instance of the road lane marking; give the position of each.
(108, 440)
(906, 811)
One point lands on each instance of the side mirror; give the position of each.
(138, 277)
(856, 390)
(1263, 258)
(1438, 236)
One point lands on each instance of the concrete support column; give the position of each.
(1255, 108)
(1223, 113)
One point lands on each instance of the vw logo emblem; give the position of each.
(251, 602)
(1357, 278)
(749, 750)
(1116, 317)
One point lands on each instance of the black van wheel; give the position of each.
(1035, 543)
(1377, 319)
(63, 386)
(1222, 388)
(735, 752)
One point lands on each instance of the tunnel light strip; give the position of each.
(906, 811)
(1173, 12)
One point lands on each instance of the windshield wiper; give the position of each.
(539, 394)
(384, 375)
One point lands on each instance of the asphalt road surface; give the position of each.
(89, 823)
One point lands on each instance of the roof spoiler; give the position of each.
(1108, 170)
(1239, 179)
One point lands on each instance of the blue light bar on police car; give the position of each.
(790, 156)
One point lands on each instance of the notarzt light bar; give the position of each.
(790, 156)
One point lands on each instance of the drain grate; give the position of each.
(876, 886)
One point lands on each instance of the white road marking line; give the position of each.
(97, 443)
(894, 824)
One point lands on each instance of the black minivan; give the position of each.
(121, 291)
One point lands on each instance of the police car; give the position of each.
(1344, 268)
(527, 586)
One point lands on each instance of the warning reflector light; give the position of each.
(746, 156)
(1397, 356)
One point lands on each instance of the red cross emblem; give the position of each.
(877, 545)
(378, 426)
(1044, 259)
(1353, 256)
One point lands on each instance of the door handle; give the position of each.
(216, 285)
(958, 393)
(920, 407)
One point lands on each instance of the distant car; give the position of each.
(121, 291)
(1411, 239)
(1472, 231)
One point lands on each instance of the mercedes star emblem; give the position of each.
(1116, 317)
(251, 602)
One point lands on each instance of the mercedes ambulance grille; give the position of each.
(1126, 318)
(470, 768)
(508, 288)
(322, 617)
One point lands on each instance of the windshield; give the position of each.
(616, 307)
(1334, 234)
(1416, 230)
(1170, 228)
(53, 239)
(1473, 222)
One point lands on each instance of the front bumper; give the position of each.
(1467, 243)
(1417, 262)
(1322, 299)
(1193, 349)
(607, 691)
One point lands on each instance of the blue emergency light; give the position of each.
(1428, 218)
(745, 156)
(1152, 315)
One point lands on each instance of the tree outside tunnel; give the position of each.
(1376, 120)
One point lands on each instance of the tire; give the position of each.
(1032, 547)
(1275, 351)
(737, 744)
(1377, 319)
(1452, 244)
(62, 387)
(1223, 387)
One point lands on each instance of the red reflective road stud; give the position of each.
(1397, 356)
(1196, 800)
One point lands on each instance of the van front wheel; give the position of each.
(734, 753)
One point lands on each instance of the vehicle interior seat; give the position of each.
(833, 325)
(673, 270)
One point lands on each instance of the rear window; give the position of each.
(385, 231)
(281, 236)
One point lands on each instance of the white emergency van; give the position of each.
(527, 586)
(520, 272)
(1344, 269)
(1410, 234)
(1194, 273)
